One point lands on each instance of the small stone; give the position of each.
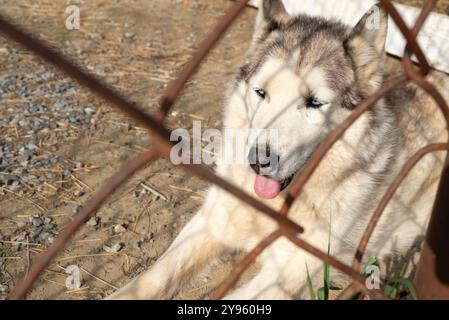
(93, 222)
(35, 233)
(76, 210)
(96, 36)
(36, 222)
(89, 110)
(23, 123)
(114, 248)
(79, 193)
(15, 186)
(60, 104)
(31, 146)
(140, 193)
(130, 35)
(119, 229)
(43, 236)
(47, 75)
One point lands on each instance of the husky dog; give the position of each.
(303, 76)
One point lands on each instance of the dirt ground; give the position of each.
(137, 47)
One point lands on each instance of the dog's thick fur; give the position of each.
(292, 58)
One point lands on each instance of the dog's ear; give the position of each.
(273, 9)
(366, 46)
(270, 15)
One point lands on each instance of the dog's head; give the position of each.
(303, 77)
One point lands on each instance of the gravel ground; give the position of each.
(58, 142)
(48, 114)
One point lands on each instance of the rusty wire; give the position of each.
(162, 145)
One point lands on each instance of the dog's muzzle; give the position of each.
(265, 163)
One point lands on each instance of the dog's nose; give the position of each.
(262, 160)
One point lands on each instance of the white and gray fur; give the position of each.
(292, 58)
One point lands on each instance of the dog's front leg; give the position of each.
(282, 276)
(190, 251)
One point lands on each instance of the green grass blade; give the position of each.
(390, 290)
(326, 271)
(310, 285)
(321, 294)
(326, 281)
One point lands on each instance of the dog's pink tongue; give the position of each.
(267, 188)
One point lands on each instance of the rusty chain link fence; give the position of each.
(432, 279)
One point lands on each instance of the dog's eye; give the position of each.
(261, 93)
(312, 102)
